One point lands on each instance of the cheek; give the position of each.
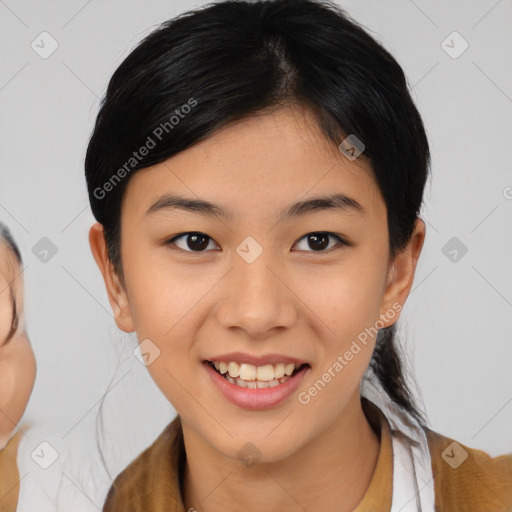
(349, 303)
(347, 299)
(16, 382)
(7, 382)
(160, 294)
(167, 303)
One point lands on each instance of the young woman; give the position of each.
(257, 171)
(17, 367)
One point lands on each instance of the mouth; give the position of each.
(250, 376)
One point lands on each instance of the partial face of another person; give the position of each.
(263, 280)
(17, 362)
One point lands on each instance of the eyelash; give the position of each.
(341, 242)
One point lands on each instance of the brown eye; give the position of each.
(318, 241)
(193, 241)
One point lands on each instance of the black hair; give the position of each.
(6, 237)
(231, 60)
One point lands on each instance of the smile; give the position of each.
(255, 377)
(256, 386)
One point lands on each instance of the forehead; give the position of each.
(7, 259)
(9, 265)
(261, 162)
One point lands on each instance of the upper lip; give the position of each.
(240, 357)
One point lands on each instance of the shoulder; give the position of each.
(468, 479)
(151, 480)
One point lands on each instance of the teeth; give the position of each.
(233, 369)
(288, 369)
(255, 377)
(279, 370)
(256, 384)
(241, 383)
(265, 373)
(247, 371)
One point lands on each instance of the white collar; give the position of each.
(413, 479)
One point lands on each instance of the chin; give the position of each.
(250, 447)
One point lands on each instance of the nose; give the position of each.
(257, 298)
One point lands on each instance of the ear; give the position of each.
(401, 275)
(116, 293)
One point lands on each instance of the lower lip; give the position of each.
(256, 398)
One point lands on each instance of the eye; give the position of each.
(319, 240)
(194, 241)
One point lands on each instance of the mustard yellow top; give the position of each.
(9, 476)
(151, 483)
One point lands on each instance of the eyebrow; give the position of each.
(334, 202)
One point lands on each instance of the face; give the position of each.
(17, 362)
(259, 286)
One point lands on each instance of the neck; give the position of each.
(333, 470)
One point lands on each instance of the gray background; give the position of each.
(457, 321)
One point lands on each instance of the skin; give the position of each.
(17, 361)
(291, 300)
